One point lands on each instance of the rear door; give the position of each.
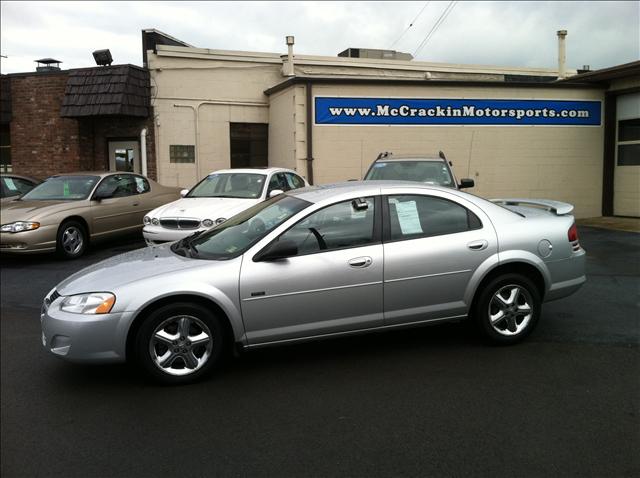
(433, 244)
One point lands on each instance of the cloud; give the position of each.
(601, 34)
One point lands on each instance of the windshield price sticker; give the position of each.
(408, 217)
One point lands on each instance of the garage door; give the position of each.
(626, 195)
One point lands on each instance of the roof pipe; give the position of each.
(562, 54)
(288, 70)
(143, 150)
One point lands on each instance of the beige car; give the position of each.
(67, 211)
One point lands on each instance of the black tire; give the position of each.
(72, 239)
(178, 370)
(511, 323)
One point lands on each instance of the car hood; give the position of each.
(113, 273)
(28, 210)
(204, 208)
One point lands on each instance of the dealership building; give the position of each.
(562, 134)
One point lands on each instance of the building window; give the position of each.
(249, 145)
(629, 142)
(5, 149)
(182, 153)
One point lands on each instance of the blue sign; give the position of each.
(415, 111)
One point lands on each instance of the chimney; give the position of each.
(47, 64)
(562, 54)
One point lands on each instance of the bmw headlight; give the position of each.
(220, 220)
(19, 226)
(146, 220)
(91, 303)
(155, 221)
(207, 223)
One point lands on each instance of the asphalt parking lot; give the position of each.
(433, 401)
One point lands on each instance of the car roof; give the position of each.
(19, 176)
(262, 170)
(411, 157)
(93, 173)
(327, 191)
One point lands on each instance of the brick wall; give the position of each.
(43, 143)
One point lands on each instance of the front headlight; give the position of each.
(20, 226)
(155, 221)
(146, 220)
(220, 220)
(207, 223)
(91, 303)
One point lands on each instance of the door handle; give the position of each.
(360, 262)
(478, 245)
(136, 204)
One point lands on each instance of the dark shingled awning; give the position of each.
(121, 90)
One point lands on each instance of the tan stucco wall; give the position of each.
(192, 83)
(562, 163)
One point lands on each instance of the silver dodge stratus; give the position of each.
(320, 262)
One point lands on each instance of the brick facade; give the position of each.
(43, 143)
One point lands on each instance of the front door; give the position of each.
(124, 156)
(333, 285)
(434, 247)
(122, 211)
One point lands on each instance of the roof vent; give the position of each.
(48, 64)
(375, 54)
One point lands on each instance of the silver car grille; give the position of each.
(179, 223)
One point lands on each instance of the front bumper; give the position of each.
(157, 234)
(42, 239)
(84, 338)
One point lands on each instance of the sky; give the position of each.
(600, 34)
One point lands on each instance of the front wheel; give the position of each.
(179, 343)
(508, 308)
(72, 239)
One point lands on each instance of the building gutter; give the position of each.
(565, 84)
(309, 141)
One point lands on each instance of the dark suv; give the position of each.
(428, 169)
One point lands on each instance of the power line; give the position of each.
(410, 25)
(436, 25)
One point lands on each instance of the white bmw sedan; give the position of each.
(219, 196)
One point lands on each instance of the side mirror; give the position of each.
(277, 250)
(275, 192)
(184, 192)
(104, 194)
(466, 183)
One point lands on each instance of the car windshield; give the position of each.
(63, 188)
(234, 236)
(430, 172)
(229, 185)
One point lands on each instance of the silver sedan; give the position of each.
(316, 263)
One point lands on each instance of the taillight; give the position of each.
(573, 233)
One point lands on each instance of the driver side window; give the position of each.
(339, 226)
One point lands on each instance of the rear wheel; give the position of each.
(508, 308)
(72, 240)
(180, 343)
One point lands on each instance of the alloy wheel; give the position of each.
(72, 240)
(181, 345)
(510, 310)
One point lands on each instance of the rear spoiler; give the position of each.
(556, 207)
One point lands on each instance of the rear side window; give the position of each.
(414, 216)
(294, 181)
(142, 185)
